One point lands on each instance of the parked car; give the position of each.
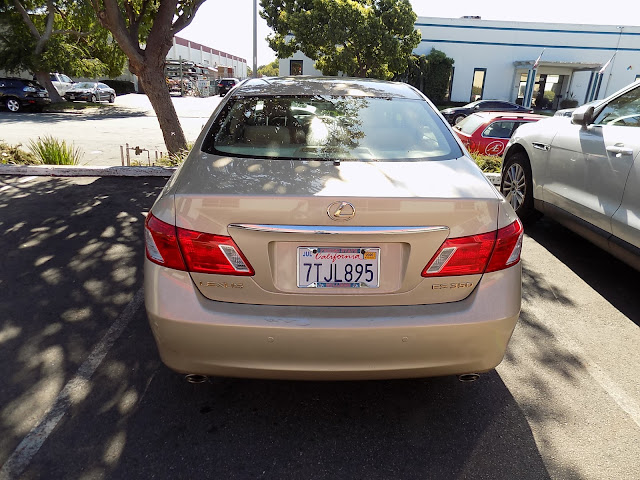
(226, 84)
(17, 94)
(584, 173)
(91, 92)
(455, 114)
(306, 197)
(61, 82)
(487, 133)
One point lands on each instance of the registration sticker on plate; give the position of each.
(338, 267)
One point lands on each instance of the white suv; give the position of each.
(584, 173)
(61, 82)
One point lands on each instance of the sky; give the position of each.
(228, 25)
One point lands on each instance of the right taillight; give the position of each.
(192, 251)
(508, 247)
(475, 254)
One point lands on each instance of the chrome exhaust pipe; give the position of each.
(468, 377)
(195, 378)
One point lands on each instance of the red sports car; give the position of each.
(487, 133)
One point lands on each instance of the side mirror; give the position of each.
(582, 115)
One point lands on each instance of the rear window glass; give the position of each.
(331, 127)
(470, 124)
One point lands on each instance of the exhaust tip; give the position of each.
(195, 378)
(468, 377)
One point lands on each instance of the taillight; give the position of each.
(207, 253)
(508, 247)
(475, 254)
(161, 243)
(191, 251)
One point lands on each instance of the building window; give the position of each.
(450, 85)
(295, 67)
(477, 87)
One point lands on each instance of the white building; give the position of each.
(226, 64)
(493, 59)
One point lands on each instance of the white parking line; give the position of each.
(72, 393)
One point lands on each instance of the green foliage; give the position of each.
(120, 86)
(360, 38)
(487, 163)
(175, 159)
(77, 45)
(51, 151)
(270, 70)
(430, 74)
(13, 154)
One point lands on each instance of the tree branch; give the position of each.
(185, 19)
(25, 16)
(42, 41)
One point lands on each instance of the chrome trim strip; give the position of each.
(346, 230)
(541, 146)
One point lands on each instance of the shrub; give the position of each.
(568, 103)
(487, 163)
(120, 86)
(14, 154)
(51, 151)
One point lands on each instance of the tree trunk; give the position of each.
(155, 87)
(45, 80)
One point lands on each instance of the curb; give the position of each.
(69, 171)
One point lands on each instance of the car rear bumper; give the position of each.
(200, 336)
(28, 101)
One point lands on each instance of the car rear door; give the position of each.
(589, 166)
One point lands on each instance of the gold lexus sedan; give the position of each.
(331, 228)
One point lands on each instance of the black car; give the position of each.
(226, 84)
(455, 114)
(19, 93)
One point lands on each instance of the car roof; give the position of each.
(305, 86)
(509, 115)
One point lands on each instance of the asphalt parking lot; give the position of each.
(83, 394)
(100, 132)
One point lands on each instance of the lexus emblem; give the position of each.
(341, 211)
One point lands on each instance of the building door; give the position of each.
(477, 87)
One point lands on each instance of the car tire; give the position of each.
(112, 98)
(457, 119)
(516, 185)
(93, 99)
(13, 105)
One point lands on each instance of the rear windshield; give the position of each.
(331, 127)
(469, 124)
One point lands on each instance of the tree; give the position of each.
(152, 23)
(249, 72)
(43, 36)
(360, 38)
(270, 69)
(430, 74)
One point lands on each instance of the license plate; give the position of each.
(338, 267)
(72, 97)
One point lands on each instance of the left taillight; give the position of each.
(161, 242)
(192, 251)
(476, 254)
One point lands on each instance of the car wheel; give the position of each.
(93, 99)
(457, 119)
(112, 98)
(517, 186)
(13, 104)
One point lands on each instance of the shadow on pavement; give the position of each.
(104, 111)
(71, 261)
(601, 271)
